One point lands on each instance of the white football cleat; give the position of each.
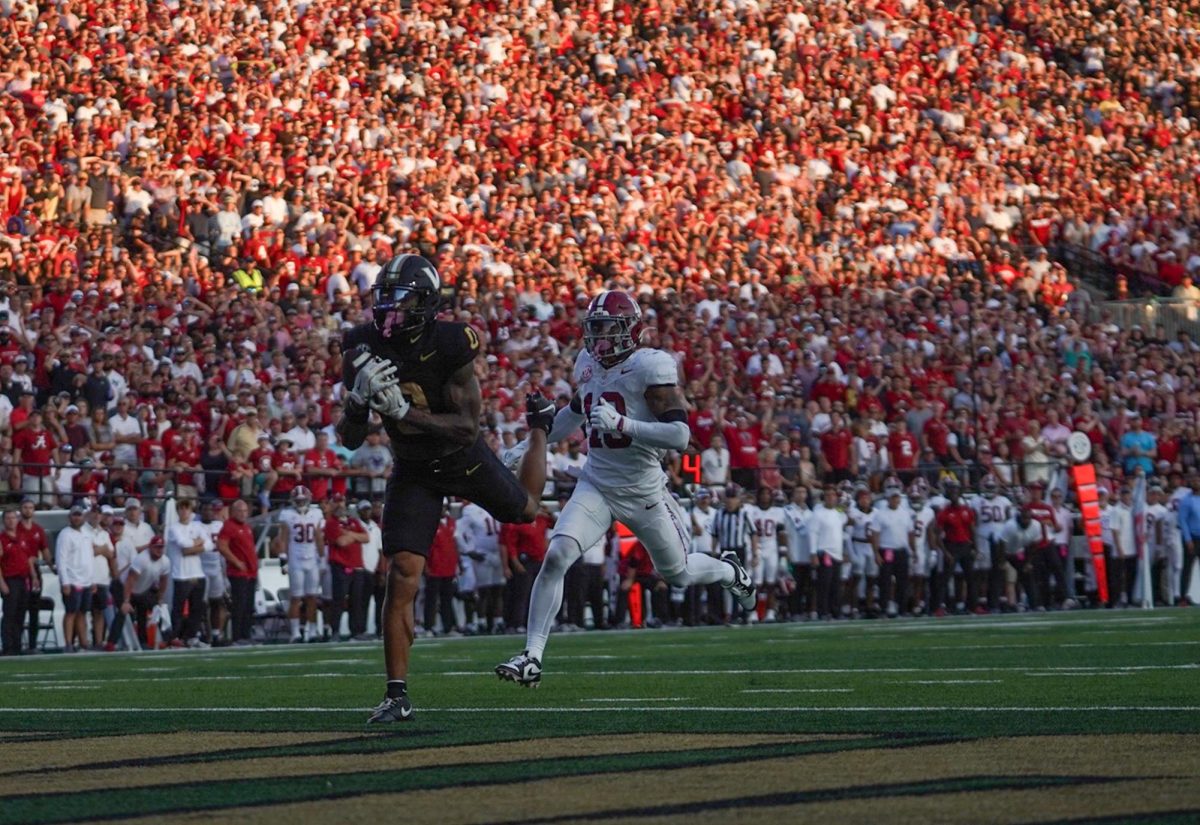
(742, 586)
(523, 669)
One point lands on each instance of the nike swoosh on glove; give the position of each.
(605, 418)
(391, 403)
(539, 412)
(374, 374)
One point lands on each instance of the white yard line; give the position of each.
(797, 690)
(948, 682)
(831, 670)
(643, 699)
(697, 709)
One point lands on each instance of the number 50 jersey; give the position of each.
(616, 463)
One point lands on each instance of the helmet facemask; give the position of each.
(609, 338)
(399, 309)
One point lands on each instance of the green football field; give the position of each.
(1088, 716)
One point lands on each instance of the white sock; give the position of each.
(546, 597)
(295, 625)
(311, 630)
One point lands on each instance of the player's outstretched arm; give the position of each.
(567, 421)
(464, 400)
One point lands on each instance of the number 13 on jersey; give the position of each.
(612, 441)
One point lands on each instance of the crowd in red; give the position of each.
(837, 214)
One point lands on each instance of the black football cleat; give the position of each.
(539, 412)
(392, 710)
(522, 669)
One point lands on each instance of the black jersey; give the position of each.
(424, 366)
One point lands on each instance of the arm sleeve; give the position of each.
(566, 422)
(666, 435)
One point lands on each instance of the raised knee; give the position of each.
(561, 554)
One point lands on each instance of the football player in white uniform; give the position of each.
(478, 534)
(861, 571)
(702, 516)
(769, 520)
(992, 512)
(799, 551)
(300, 544)
(635, 412)
(926, 559)
(1174, 541)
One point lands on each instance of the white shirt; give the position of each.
(921, 521)
(303, 439)
(798, 536)
(862, 525)
(123, 426)
(1122, 527)
(210, 559)
(703, 520)
(101, 572)
(126, 553)
(714, 466)
(73, 556)
(140, 534)
(185, 535)
(373, 546)
(827, 531)
(895, 527)
(1018, 539)
(149, 571)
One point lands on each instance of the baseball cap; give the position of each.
(78, 510)
(106, 510)
(157, 541)
(732, 490)
(132, 504)
(363, 505)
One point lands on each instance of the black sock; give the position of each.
(396, 688)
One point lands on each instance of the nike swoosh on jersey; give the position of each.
(428, 355)
(651, 506)
(471, 471)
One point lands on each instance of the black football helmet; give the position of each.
(406, 296)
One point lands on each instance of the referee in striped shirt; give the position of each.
(733, 531)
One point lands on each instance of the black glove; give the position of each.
(539, 412)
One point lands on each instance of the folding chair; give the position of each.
(47, 629)
(272, 619)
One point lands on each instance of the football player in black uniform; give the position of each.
(418, 373)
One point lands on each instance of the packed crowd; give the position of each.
(843, 217)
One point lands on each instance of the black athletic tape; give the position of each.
(671, 416)
(576, 405)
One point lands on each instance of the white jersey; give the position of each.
(922, 519)
(1171, 533)
(210, 559)
(617, 464)
(702, 520)
(477, 531)
(862, 525)
(797, 533)
(304, 533)
(1157, 514)
(768, 523)
(991, 515)
(1065, 517)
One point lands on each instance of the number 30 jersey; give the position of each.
(304, 533)
(616, 463)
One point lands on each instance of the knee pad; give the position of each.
(677, 576)
(563, 552)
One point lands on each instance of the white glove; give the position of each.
(374, 374)
(605, 418)
(390, 402)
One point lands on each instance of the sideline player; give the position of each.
(418, 374)
(992, 512)
(635, 410)
(300, 542)
(478, 535)
(769, 521)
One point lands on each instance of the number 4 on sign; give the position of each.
(612, 441)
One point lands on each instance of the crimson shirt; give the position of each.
(443, 554)
(241, 544)
(957, 523)
(322, 460)
(835, 446)
(37, 448)
(350, 555)
(15, 561)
